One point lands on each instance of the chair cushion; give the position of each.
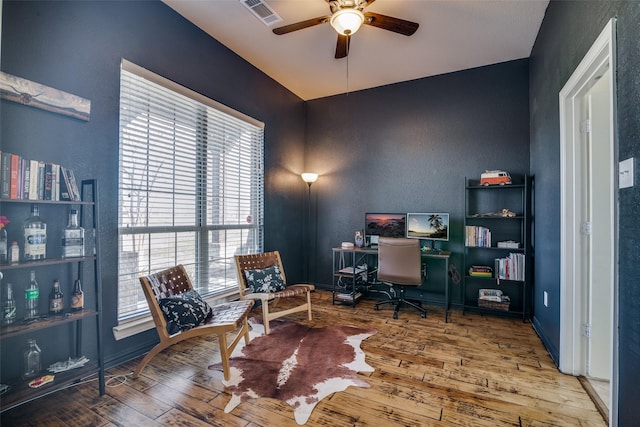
(265, 280)
(184, 311)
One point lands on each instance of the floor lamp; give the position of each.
(309, 178)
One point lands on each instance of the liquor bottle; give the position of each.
(77, 297)
(73, 237)
(8, 306)
(32, 298)
(56, 300)
(35, 236)
(31, 359)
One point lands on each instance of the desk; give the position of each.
(345, 259)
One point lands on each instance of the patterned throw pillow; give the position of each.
(184, 311)
(266, 280)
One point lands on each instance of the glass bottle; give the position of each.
(4, 254)
(77, 297)
(8, 306)
(35, 236)
(73, 237)
(32, 298)
(56, 300)
(14, 253)
(31, 359)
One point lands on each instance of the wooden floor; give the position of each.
(473, 371)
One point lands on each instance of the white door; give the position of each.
(599, 262)
(588, 270)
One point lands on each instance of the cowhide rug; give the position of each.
(296, 364)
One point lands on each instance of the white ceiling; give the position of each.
(453, 35)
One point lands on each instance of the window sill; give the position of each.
(130, 327)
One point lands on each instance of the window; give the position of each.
(190, 187)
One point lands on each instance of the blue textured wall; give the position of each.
(76, 46)
(407, 147)
(567, 32)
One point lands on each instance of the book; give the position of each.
(41, 178)
(48, 180)
(477, 236)
(511, 267)
(15, 173)
(25, 170)
(480, 271)
(33, 180)
(55, 182)
(73, 186)
(5, 174)
(65, 195)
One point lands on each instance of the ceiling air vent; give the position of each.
(262, 11)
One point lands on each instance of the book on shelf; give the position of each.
(477, 236)
(15, 174)
(26, 179)
(48, 180)
(25, 171)
(511, 267)
(73, 186)
(480, 271)
(40, 183)
(5, 174)
(33, 179)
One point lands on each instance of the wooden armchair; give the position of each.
(226, 318)
(266, 260)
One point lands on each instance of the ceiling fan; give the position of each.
(346, 18)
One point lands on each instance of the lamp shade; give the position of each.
(347, 21)
(309, 178)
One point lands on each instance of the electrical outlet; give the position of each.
(625, 173)
(545, 298)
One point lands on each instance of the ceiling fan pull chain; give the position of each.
(348, 68)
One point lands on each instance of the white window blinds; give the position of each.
(190, 186)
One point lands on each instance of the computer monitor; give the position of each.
(384, 225)
(428, 226)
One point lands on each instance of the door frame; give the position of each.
(573, 295)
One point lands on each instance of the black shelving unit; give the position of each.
(484, 207)
(348, 285)
(19, 392)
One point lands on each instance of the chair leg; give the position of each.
(265, 316)
(399, 302)
(309, 304)
(389, 301)
(146, 359)
(224, 355)
(246, 331)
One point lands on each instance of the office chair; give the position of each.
(399, 265)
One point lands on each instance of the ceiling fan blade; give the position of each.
(365, 3)
(301, 25)
(396, 25)
(342, 46)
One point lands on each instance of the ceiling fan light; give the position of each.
(347, 21)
